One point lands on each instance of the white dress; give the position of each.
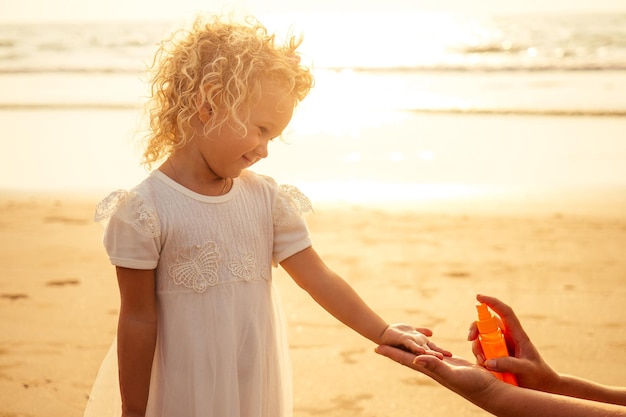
(221, 345)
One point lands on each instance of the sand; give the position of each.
(561, 265)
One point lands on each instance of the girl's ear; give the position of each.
(205, 112)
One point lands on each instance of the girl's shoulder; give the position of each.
(285, 193)
(134, 206)
(288, 202)
(253, 179)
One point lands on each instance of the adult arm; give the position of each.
(480, 387)
(136, 337)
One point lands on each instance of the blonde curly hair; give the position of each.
(218, 65)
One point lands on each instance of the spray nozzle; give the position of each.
(486, 322)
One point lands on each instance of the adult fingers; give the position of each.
(512, 325)
(401, 356)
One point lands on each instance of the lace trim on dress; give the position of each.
(130, 209)
(290, 205)
(198, 272)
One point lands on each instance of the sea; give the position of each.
(406, 106)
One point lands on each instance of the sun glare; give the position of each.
(373, 40)
(346, 98)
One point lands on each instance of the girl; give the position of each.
(200, 333)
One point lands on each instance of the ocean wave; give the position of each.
(524, 112)
(70, 70)
(86, 106)
(441, 68)
(484, 67)
(407, 43)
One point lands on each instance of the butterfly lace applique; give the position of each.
(199, 272)
(245, 268)
(291, 204)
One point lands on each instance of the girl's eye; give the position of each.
(263, 131)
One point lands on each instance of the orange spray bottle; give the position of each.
(492, 340)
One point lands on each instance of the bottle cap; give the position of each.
(486, 322)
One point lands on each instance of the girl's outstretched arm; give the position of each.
(338, 298)
(136, 337)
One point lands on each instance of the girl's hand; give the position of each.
(412, 339)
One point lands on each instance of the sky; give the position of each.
(89, 10)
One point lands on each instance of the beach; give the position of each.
(444, 157)
(560, 264)
(419, 213)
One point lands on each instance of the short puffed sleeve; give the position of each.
(132, 230)
(291, 234)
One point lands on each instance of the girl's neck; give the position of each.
(208, 183)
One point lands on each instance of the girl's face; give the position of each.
(228, 153)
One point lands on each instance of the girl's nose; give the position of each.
(261, 150)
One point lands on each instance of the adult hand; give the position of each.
(525, 361)
(455, 373)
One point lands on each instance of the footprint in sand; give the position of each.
(348, 356)
(457, 274)
(62, 283)
(66, 220)
(14, 297)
